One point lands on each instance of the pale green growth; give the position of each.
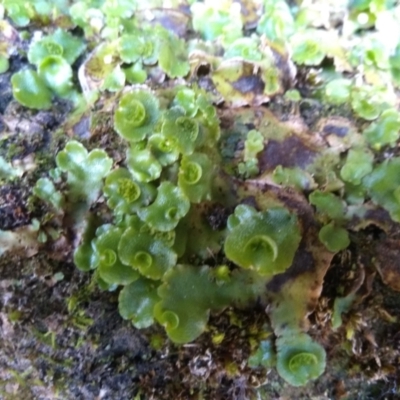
(42, 49)
(105, 257)
(358, 164)
(90, 19)
(150, 256)
(173, 57)
(4, 64)
(338, 90)
(394, 63)
(299, 358)
(221, 274)
(170, 206)
(208, 119)
(118, 17)
(136, 115)
(181, 131)
(185, 317)
(371, 52)
(264, 356)
(7, 171)
(23, 12)
(85, 171)
(135, 73)
(264, 241)
(136, 302)
(185, 98)
(383, 186)
(142, 47)
(101, 62)
(253, 145)
(323, 169)
(329, 204)
(160, 202)
(163, 149)
(115, 81)
(366, 102)
(57, 74)
(61, 43)
(46, 191)
(195, 177)
(19, 11)
(335, 238)
(307, 48)
(142, 164)
(125, 196)
(295, 177)
(271, 78)
(217, 20)
(341, 305)
(355, 194)
(83, 254)
(123, 186)
(293, 95)
(277, 21)
(249, 168)
(118, 9)
(30, 90)
(246, 48)
(385, 131)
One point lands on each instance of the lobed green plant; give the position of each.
(385, 131)
(335, 238)
(264, 241)
(367, 102)
(215, 20)
(30, 90)
(294, 177)
(382, 185)
(155, 230)
(277, 22)
(45, 190)
(358, 164)
(53, 56)
(338, 90)
(253, 145)
(299, 358)
(328, 204)
(85, 171)
(124, 195)
(136, 115)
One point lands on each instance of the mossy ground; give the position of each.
(62, 338)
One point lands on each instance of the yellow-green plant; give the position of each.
(165, 220)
